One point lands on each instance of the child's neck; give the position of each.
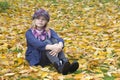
(40, 29)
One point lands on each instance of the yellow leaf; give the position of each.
(24, 71)
(45, 69)
(2, 37)
(78, 76)
(61, 77)
(99, 75)
(82, 61)
(19, 55)
(33, 69)
(117, 78)
(68, 76)
(116, 74)
(44, 74)
(4, 61)
(18, 61)
(96, 52)
(9, 74)
(93, 64)
(109, 50)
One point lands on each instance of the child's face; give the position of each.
(40, 22)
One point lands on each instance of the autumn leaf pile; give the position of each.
(90, 28)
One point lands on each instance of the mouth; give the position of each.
(40, 23)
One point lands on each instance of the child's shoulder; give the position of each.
(50, 29)
(28, 31)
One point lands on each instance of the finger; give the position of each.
(51, 52)
(58, 50)
(56, 55)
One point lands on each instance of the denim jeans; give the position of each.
(47, 58)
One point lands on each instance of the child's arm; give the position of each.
(60, 40)
(35, 42)
(55, 48)
(49, 47)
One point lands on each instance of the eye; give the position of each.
(43, 19)
(38, 17)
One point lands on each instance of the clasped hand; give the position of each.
(56, 48)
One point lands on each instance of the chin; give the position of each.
(40, 26)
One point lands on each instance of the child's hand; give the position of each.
(56, 49)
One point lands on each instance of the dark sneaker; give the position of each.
(65, 68)
(73, 67)
(62, 68)
(58, 67)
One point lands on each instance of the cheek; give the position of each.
(35, 21)
(45, 22)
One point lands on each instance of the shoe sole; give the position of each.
(74, 67)
(66, 68)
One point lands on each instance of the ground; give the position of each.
(90, 29)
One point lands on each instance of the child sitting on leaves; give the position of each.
(44, 46)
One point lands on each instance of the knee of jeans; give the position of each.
(54, 40)
(48, 41)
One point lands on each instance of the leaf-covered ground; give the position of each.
(90, 28)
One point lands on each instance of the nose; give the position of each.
(40, 20)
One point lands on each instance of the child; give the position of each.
(44, 46)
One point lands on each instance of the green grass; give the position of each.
(4, 6)
(106, 77)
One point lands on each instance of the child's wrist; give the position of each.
(61, 44)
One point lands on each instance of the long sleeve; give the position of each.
(54, 35)
(31, 40)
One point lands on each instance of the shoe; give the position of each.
(62, 68)
(73, 67)
(58, 67)
(65, 68)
